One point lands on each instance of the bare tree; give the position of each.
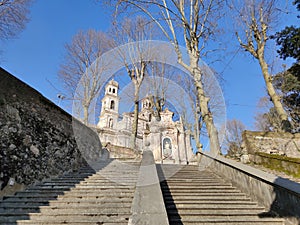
(158, 82)
(267, 119)
(233, 137)
(256, 17)
(13, 17)
(133, 57)
(189, 108)
(193, 22)
(77, 71)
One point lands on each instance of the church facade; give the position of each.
(168, 139)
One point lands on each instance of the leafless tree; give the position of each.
(132, 33)
(194, 22)
(233, 137)
(188, 106)
(77, 71)
(13, 17)
(256, 18)
(160, 75)
(267, 118)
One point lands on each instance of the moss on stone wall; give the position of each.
(288, 165)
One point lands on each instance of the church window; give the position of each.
(112, 104)
(114, 90)
(110, 123)
(109, 90)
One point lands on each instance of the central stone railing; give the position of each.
(148, 204)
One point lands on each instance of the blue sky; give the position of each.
(34, 56)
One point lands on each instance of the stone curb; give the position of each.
(148, 206)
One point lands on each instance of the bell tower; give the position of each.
(146, 109)
(110, 106)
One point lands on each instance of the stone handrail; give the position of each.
(278, 195)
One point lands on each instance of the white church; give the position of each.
(168, 139)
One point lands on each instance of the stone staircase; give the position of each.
(102, 195)
(201, 197)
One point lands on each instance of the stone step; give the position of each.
(24, 199)
(195, 186)
(56, 204)
(214, 206)
(197, 197)
(103, 197)
(40, 191)
(214, 191)
(80, 188)
(192, 189)
(52, 187)
(84, 187)
(115, 180)
(93, 177)
(59, 192)
(67, 211)
(39, 194)
(170, 194)
(100, 218)
(77, 176)
(104, 186)
(216, 212)
(209, 203)
(194, 179)
(76, 194)
(30, 222)
(87, 183)
(69, 201)
(227, 220)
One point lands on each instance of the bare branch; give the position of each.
(13, 17)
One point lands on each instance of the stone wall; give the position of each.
(119, 152)
(37, 139)
(272, 142)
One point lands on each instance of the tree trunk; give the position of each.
(197, 131)
(203, 103)
(85, 114)
(285, 123)
(135, 119)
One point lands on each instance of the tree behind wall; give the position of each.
(233, 138)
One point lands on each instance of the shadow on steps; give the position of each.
(167, 195)
(20, 205)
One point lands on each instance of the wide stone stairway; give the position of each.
(201, 197)
(104, 195)
(89, 196)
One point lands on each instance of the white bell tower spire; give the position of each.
(110, 106)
